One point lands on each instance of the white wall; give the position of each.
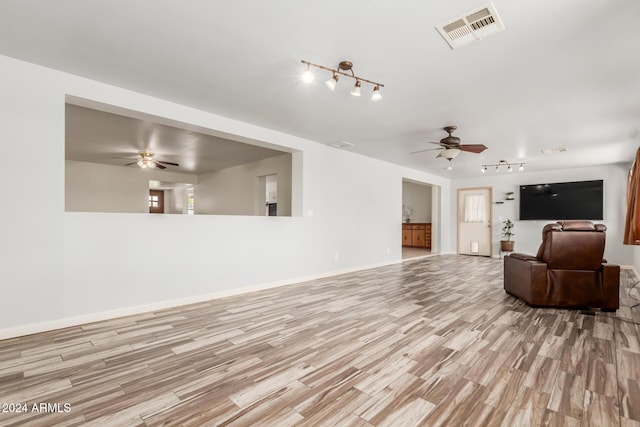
(418, 198)
(528, 233)
(32, 214)
(93, 187)
(175, 201)
(57, 265)
(233, 191)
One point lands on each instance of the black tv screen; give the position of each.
(562, 200)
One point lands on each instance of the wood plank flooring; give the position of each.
(434, 341)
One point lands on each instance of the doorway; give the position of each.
(419, 219)
(175, 197)
(267, 196)
(474, 221)
(156, 201)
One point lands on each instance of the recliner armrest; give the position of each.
(523, 257)
(525, 276)
(610, 286)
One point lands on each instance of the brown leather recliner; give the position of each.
(568, 270)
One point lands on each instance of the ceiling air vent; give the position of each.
(471, 27)
(341, 144)
(555, 150)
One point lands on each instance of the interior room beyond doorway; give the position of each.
(417, 219)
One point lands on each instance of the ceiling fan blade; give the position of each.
(159, 166)
(473, 148)
(167, 163)
(129, 164)
(428, 149)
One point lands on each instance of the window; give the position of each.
(474, 208)
(190, 204)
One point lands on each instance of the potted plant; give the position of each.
(407, 213)
(506, 245)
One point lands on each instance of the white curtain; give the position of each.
(474, 208)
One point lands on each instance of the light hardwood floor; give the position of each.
(433, 341)
(409, 252)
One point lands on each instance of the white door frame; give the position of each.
(435, 211)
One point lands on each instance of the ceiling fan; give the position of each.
(450, 146)
(146, 161)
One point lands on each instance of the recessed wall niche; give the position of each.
(197, 172)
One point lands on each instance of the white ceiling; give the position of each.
(563, 74)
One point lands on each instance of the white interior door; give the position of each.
(474, 221)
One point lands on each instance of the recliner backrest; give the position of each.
(572, 245)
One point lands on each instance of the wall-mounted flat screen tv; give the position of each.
(562, 200)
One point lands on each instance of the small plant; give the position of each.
(506, 230)
(407, 213)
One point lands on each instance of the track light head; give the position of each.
(376, 96)
(332, 82)
(307, 76)
(356, 91)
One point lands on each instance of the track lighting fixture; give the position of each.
(345, 68)
(501, 163)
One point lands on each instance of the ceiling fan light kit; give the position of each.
(503, 163)
(345, 68)
(147, 162)
(449, 153)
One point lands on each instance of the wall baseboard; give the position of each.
(633, 270)
(50, 325)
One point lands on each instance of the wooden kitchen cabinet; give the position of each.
(417, 235)
(406, 236)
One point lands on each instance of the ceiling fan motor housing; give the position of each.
(450, 140)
